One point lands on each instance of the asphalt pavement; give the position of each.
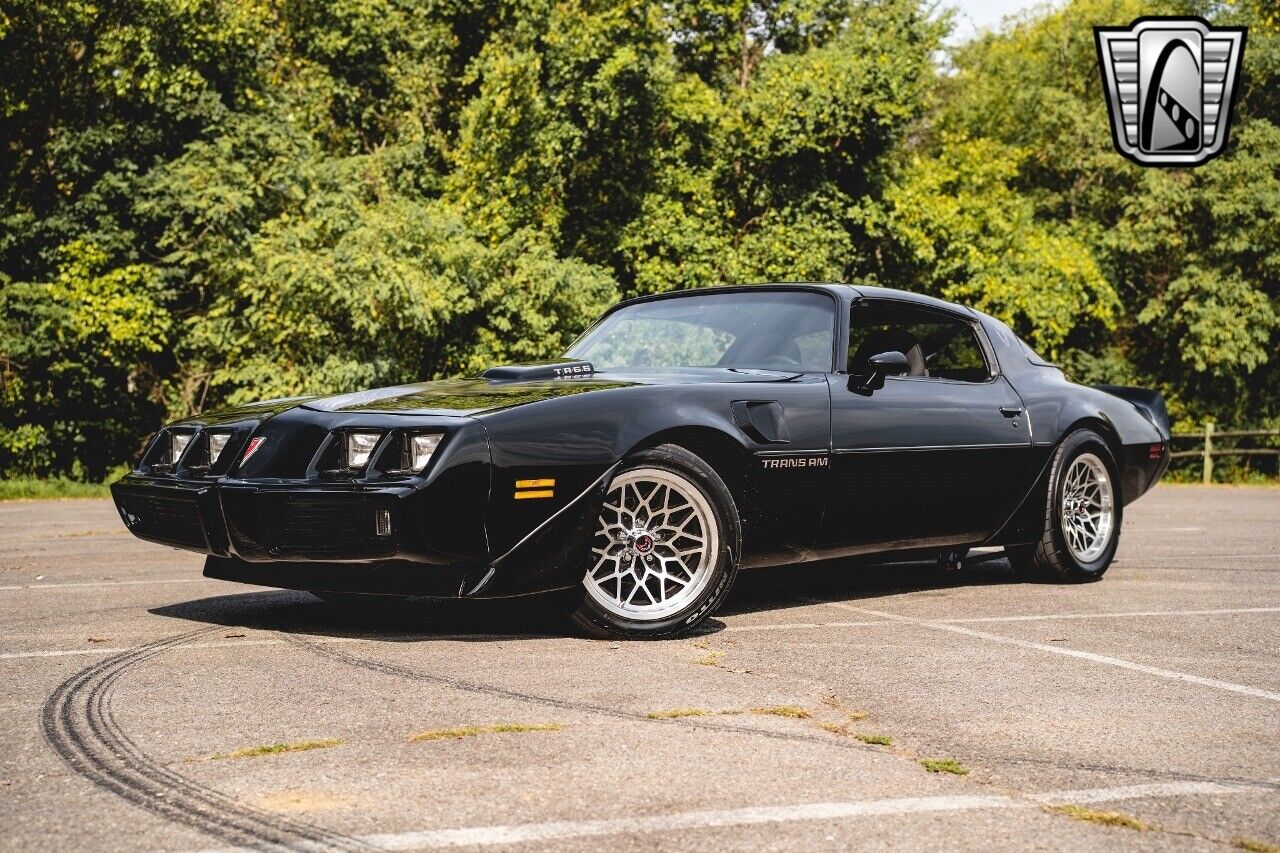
(844, 705)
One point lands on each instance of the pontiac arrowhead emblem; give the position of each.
(1170, 85)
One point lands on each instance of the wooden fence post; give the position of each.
(1208, 452)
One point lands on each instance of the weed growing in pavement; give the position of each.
(275, 748)
(711, 658)
(1255, 846)
(494, 728)
(876, 740)
(846, 729)
(677, 712)
(944, 765)
(792, 711)
(1099, 817)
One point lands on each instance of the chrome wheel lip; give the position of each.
(1086, 508)
(675, 567)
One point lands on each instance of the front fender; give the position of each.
(553, 459)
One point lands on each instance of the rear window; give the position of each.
(1033, 356)
(1008, 338)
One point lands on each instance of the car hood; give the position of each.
(476, 396)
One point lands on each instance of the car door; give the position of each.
(934, 457)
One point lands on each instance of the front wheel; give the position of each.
(1082, 515)
(665, 550)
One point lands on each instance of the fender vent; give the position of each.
(762, 420)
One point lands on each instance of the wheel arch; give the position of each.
(1023, 523)
(725, 454)
(1108, 434)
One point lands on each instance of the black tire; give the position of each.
(593, 617)
(1052, 559)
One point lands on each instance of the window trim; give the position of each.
(984, 345)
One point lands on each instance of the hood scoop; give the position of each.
(534, 372)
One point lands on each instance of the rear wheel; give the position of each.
(1082, 515)
(665, 550)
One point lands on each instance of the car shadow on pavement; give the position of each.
(851, 580)
(420, 620)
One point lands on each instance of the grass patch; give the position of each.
(793, 711)
(710, 659)
(32, 488)
(1255, 846)
(843, 729)
(674, 713)
(276, 748)
(877, 740)
(944, 765)
(492, 729)
(1099, 817)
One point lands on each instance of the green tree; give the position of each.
(210, 201)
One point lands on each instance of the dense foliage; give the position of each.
(209, 201)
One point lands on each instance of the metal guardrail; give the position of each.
(1208, 451)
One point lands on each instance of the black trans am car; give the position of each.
(683, 437)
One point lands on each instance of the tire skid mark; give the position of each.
(341, 656)
(78, 723)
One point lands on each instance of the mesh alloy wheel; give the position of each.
(1083, 512)
(1087, 507)
(655, 545)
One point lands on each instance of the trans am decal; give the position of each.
(775, 462)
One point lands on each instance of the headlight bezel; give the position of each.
(358, 448)
(191, 450)
(169, 448)
(220, 438)
(212, 447)
(396, 453)
(420, 449)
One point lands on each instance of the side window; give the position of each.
(936, 345)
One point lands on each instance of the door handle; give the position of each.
(1010, 411)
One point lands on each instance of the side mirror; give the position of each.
(891, 363)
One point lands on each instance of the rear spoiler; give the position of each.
(1146, 401)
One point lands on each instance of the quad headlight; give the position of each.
(217, 443)
(421, 448)
(360, 447)
(178, 442)
(396, 453)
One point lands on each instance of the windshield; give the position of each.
(769, 330)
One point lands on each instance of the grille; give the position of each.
(315, 526)
(173, 518)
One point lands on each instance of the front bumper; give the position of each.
(183, 515)
(293, 523)
(280, 518)
(330, 537)
(394, 540)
